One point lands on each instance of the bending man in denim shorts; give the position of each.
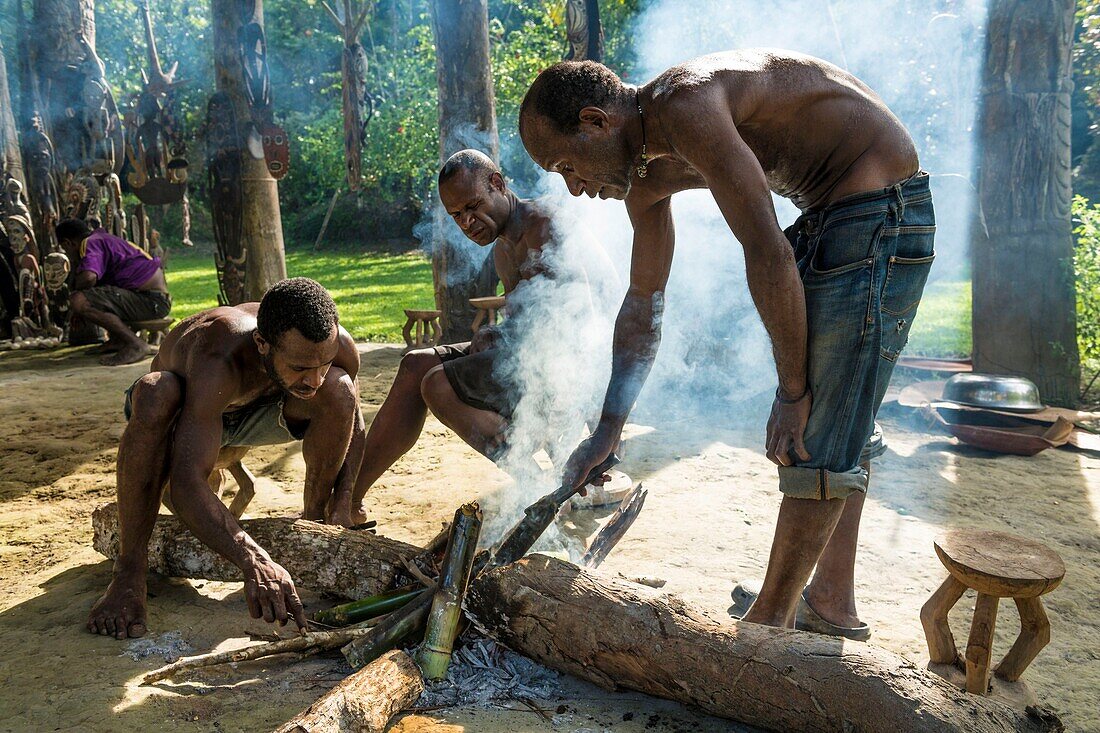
(837, 293)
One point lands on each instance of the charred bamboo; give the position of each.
(442, 627)
(617, 526)
(368, 608)
(538, 517)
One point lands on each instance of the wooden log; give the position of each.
(621, 635)
(324, 558)
(364, 701)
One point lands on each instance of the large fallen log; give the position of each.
(621, 635)
(347, 563)
(365, 701)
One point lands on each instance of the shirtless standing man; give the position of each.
(255, 374)
(837, 291)
(456, 381)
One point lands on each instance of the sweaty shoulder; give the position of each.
(212, 340)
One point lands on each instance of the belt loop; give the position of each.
(901, 202)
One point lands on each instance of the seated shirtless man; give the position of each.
(457, 382)
(837, 291)
(255, 374)
(116, 283)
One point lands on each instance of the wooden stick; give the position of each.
(364, 701)
(442, 626)
(319, 640)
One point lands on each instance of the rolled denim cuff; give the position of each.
(802, 482)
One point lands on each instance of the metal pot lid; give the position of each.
(1011, 394)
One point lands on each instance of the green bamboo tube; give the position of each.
(368, 608)
(434, 655)
(397, 626)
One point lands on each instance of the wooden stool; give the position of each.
(423, 320)
(154, 331)
(997, 565)
(486, 310)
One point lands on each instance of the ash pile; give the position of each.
(483, 672)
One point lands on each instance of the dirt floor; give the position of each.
(60, 420)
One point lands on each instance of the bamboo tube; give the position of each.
(398, 625)
(368, 608)
(434, 655)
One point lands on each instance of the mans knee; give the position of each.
(156, 398)
(78, 303)
(434, 387)
(416, 364)
(339, 391)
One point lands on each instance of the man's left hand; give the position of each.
(786, 424)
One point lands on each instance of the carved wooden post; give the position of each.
(1024, 319)
(261, 228)
(467, 119)
(11, 159)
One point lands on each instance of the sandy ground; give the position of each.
(707, 523)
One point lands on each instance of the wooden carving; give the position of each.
(223, 161)
(356, 100)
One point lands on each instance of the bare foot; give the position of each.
(120, 612)
(837, 610)
(110, 346)
(130, 354)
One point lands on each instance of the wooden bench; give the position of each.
(423, 321)
(997, 565)
(154, 331)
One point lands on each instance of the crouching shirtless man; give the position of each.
(255, 374)
(458, 382)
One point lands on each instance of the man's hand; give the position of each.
(485, 338)
(270, 594)
(590, 453)
(786, 425)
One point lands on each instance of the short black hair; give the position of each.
(468, 160)
(72, 229)
(300, 303)
(560, 92)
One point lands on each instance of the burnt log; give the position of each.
(343, 562)
(364, 701)
(620, 635)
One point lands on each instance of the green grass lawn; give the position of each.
(370, 288)
(942, 325)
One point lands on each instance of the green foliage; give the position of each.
(1086, 99)
(370, 289)
(942, 325)
(1086, 265)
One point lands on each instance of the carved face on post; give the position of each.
(55, 268)
(20, 235)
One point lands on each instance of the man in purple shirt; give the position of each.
(116, 283)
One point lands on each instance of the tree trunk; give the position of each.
(773, 678)
(467, 119)
(1024, 308)
(365, 701)
(320, 557)
(11, 159)
(261, 223)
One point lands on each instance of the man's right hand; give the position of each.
(270, 594)
(485, 338)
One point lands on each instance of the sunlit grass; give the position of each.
(942, 325)
(370, 289)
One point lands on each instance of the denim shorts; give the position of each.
(863, 260)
